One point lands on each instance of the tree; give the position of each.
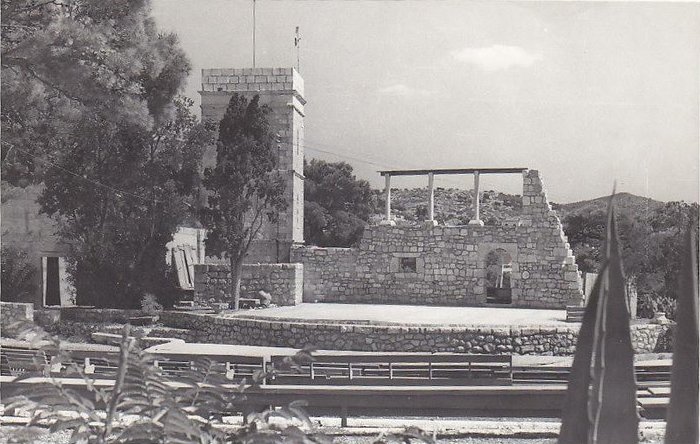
(245, 190)
(117, 228)
(18, 273)
(65, 61)
(651, 246)
(337, 206)
(88, 109)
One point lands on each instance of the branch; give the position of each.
(23, 63)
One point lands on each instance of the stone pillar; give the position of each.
(387, 195)
(476, 220)
(431, 222)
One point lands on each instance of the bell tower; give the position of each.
(281, 89)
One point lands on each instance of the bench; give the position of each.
(16, 361)
(234, 367)
(574, 313)
(396, 369)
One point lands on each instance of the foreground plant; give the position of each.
(601, 403)
(144, 405)
(601, 399)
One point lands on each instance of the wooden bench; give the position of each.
(15, 361)
(396, 369)
(234, 367)
(574, 313)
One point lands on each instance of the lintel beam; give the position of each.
(452, 171)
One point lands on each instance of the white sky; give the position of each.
(588, 93)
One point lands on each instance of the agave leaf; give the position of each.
(574, 430)
(682, 416)
(613, 400)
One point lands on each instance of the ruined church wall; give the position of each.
(450, 262)
(282, 281)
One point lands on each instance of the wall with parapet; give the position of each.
(450, 262)
(282, 281)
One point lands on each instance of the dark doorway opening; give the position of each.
(499, 266)
(53, 286)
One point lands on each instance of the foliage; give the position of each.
(117, 232)
(67, 61)
(337, 206)
(602, 386)
(651, 243)
(682, 416)
(150, 305)
(191, 414)
(88, 108)
(245, 190)
(17, 275)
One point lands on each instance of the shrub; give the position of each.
(150, 305)
(17, 275)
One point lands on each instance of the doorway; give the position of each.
(499, 267)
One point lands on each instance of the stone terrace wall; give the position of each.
(539, 340)
(11, 312)
(282, 281)
(450, 262)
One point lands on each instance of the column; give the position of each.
(431, 222)
(387, 195)
(476, 220)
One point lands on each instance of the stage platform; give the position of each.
(410, 314)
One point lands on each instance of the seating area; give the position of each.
(397, 369)
(346, 379)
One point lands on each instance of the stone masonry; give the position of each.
(281, 89)
(282, 281)
(339, 335)
(450, 262)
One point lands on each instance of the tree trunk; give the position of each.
(236, 269)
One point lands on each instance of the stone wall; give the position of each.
(533, 340)
(282, 281)
(11, 312)
(450, 262)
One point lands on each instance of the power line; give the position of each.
(381, 165)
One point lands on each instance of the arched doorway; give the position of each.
(499, 267)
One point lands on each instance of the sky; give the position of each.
(590, 93)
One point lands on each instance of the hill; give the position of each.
(454, 206)
(626, 203)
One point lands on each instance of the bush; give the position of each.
(17, 276)
(150, 305)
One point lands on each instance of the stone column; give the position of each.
(387, 195)
(431, 202)
(476, 220)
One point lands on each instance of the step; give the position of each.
(114, 339)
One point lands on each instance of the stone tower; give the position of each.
(282, 89)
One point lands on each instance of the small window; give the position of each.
(407, 265)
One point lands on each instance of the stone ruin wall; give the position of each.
(282, 281)
(450, 262)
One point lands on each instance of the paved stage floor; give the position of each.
(412, 314)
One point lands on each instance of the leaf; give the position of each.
(682, 415)
(613, 397)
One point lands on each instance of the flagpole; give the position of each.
(297, 43)
(253, 33)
